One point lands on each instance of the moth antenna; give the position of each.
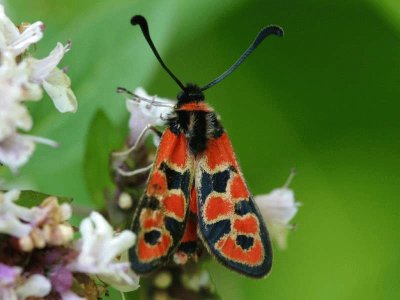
(266, 31)
(141, 21)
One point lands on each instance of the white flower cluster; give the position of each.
(103, 252)
(22, 79)
(99, 252)
(35, 227)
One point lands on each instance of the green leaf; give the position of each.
(30, 198)
(103, 137)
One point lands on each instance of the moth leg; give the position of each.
(134, 172)
(138, 141)
(122, 155)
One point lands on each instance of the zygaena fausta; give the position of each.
(196, 191)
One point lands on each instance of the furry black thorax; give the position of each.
(198, 126)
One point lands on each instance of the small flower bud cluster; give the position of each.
(51, 228)
(39, 258)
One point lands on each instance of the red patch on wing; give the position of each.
(219, 151)
(175, 204)
(172, 149)
(157, 184)
(179, 155)
(216, 207)
(151, 219)
(147, 252)
(238, 188)
(166, 147)
(253, 256)
(190, 231)
(247, 225)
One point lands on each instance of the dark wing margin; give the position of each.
(230, 223)
(160, 217)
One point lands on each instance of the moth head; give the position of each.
(191, 93)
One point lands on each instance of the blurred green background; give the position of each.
(324, 99)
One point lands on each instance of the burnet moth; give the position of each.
(196, 191)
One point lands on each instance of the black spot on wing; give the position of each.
(214, 182)
(244, 241)
(152, 237)
(173, 177)
(220, 181)
(176, 180)
(151, 203)
(243, 207)
(215, 231)
(175, 228)
(188, 247)
(206, 185)
(185, 184)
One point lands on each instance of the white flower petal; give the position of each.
(12, 40)
(31, 35)
(124, 280)
(102, 227)
(13, 115)
(12, 195)
(43, 67)
(99, 249)
(14, 219)
(55, 81)
(36, 286)
(15, 150)
(7, 205)
(137, 122)
(124, 283)
(143, 113)
(118, 244)
(8, 31)
(278, 208)
(57, 85)
(279, 233)
(12, 226)
(15, 79)
(8, 275)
